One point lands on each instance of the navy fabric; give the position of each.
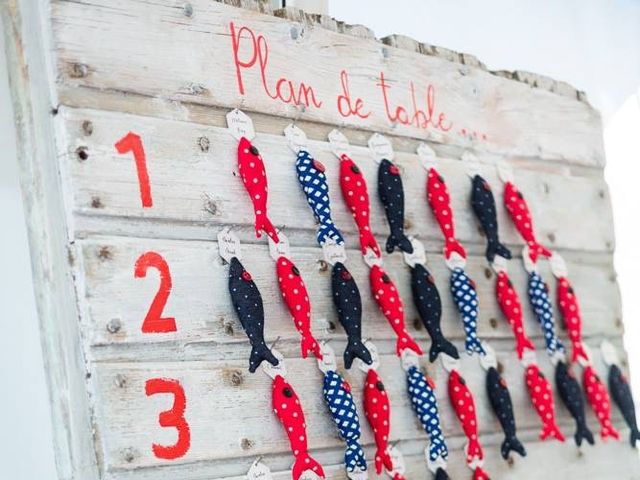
(621, 393)
(500, 400)
(391, 195)
(541, 305)
(484, 206)
(571, 395)
(466, 300)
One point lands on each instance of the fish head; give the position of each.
(283, 392)
(340, 273)
(435, 180)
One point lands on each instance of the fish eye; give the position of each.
(385, 278)
(462, 381)
(380, 386)
(295, 271)
(287, 392)
(355, 169)
(254, 150)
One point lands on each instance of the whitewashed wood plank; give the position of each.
(481, 110)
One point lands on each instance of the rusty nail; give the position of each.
(96, 202)
(408, 224)
(114, 325)
(493, 322)
(128, 454)
(487, 272)
(105, 253)
(322, 266)
(87, 127)
(78, 70)
(332, 326)
(204, 143)
(417, 323)
(500, 368)
(82, 153)
(510, 461)
(246, 444)
(228, 328)
(210, 205)
(552, 237)
(120, 381)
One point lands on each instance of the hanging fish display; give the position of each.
(377, 410)
(247, 302)
(388, 299)
(391, 195)
(571, 395)
(427, 301)
(316, 189)
(440, 202)
(621, 394)
(521, 217)
(570, 310)
(287, 408)
(466, 299)
(484, 206)
(294, 292)
(254, 177)
(356, 196)
(346, 298)
(539, 300)
(509, 302)
(542, 400)
(500, 400)
(598, 398)
(337, 394)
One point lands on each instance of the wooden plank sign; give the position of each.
(130, 173)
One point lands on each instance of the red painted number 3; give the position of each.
(133, 143)
(153, 322)
(171, 418)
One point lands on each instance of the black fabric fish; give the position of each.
(441, 474)
(621, 393)
(503, 408)
(346, 298)
(484, 206)
(247, 303)
(571, 395)
(391, 195)
(427, 301)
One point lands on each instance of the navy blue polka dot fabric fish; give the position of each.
(466, 300)
(391, 195)
(571, 395)
(500, 400)
(541, 305)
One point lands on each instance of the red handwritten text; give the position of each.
(346, 105)
(154, 322)
(171, 418)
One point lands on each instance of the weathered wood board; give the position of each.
(169, 71)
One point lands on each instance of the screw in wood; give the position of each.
(82, 153)
(114, 325)
(87, 127)
(78, 70)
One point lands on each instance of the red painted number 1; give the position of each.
(171, 418)
(153, 322)
(133, 143)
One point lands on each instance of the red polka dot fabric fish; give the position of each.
(254, 177)
(287, 408)
(570, 310)
(440, 202)
(511, 307)
(464, 405)
(598, 398)
(378, 412)
(542, 399)
(294, 292)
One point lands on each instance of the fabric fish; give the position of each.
(598, 398)
(294, 292)
(247, 303)
(621, 394)
(378, 412)
(440, 202)
(346, 298)
(542, 400)
(571, 395)
(466, 299)
(356, 196)
(251, 169)
(337, 394)
(521, 217)
(541, 305)
(500, 400)
(315, 187)
(391, 195)
(287, 408)
(484, 206)
(388, 299)
(423, 400)
(570, 310)
(441, 474)
(479, 474)
(509, 302)
(427, 301)
(464, 405)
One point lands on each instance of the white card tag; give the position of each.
(558, 265)
(371, 259)
(280, 249)
(375, 358)
(334, 253)
(455, 261)
(296, 137)
(309, 475)
(397, 461)
(240, 125)
(339, 143)
(272, 370)
(449, 363)
(419, 256)
(529, 266)
(489, 359)
(427, 156)
(499, 264)
(380, 147)
(505, 171)
(328, 362)
(408, 359)
(358, 474)
(609, 353)
(529, 357)
(259, 471)
(472, 164)
(435, 465)
(229, 245)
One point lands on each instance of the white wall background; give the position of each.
(592, 44)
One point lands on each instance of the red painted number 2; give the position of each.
(171, 418)
(133, 143)
(153, 322)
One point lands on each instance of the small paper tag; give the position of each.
(499, 264)
(609, 353)
(334, 253)
(455, 261)
(296, 138)
(529, 357)
(339, 143)
(408, 359)
(449, 363)
(272, 370)
(472, 164)
(558, 356)
(397, 461)
(375, 358)
(380, 147)
(328, 362)
(489, 359)
(427, 156)
(259, 471)
(436, 464)
(358, 474)
(309, 475)
(229, 245)
(558, 265)
(505, 171)
(419, 256)
(529, 266)
(240, 125)
(371, 259)
(280, 249)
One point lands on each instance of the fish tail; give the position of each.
(399, 240)
(367, 240)
(305, 462)
(550, 429)
(583, 433)
(480, 474)
(354, 456)
(452, 245)
(442, 346)
(473, 345)
(263, 224)
(523, 342)
(309, 344)
(536, 249)
(512, 444)
(327, 230)
(474, 450)
(356, 349)
(609, 431)
(441, 474)
(634, 437)
(383, 459)
(578, 351)
(494, 247)
(406, 341)
(260, 353)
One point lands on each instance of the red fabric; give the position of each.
(570, 310)
(287, 408)
(294, 293)
(386, 295)
(464, 405)
(356, 196)
(598, 397)
(479, 474)
(511, 307)
(542, 399)
(253, 176)
(378, 412)
(521, 217)
(440, 202)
